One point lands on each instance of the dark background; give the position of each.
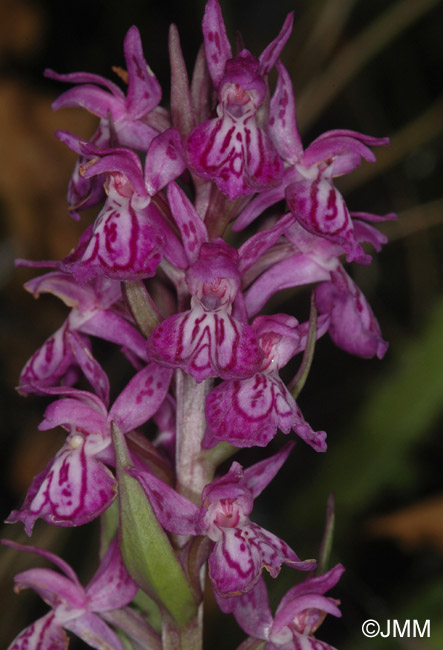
(375, 67)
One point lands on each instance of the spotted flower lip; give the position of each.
(241, 549)
(73, 607)
(207, 340)
(298, 616)
(77, 485)
(248, 412)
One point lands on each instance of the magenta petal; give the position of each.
(235, 564)
(175, 513)
(112, 327)
(164, 161)
(346, 153)
(251, 610)
(142, 397)
(120, 160)
(63, 285)
(316, 585)
(191, 226)
(85, 78)
(94, 631)
(80, 410)
(321, 209)
(206, 344)
(246, 413)
(49, 363)
(75, 489)
(282, 121)
(90, 367)
(123, 245)
(218, 49)
(44, 634)
(270, 55)
(54, 588)
(255, 246)
(275, 552)
(259, 475)
(144, 91)
(111, 587)
(93, 99)
(236, 154)
(297, 270)
(353, 324)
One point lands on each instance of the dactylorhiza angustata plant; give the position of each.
(154, 276)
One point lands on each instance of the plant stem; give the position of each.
(192, 472)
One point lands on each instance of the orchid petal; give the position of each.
(175, 513)
(251, 610)
(94, 631)
(297, 270)
(259, 243)
(112, 327)
(283, 121)
(123, 245)
(257, 477)
(52, 587)
(111, 587)
(44, 634)
(217, 46)
(247, 413)
(93, 99)
(236, 154)
(205, 344)
(85, 78)
(353, 324)
(90, 367)
(48, 364)
(73, 490)
(271, 53)
(164, 161)
(144, 91)
(192, 228)
(235, 564)
(142, 397)
(321, 209)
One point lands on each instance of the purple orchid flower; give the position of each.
(234, 149)
(241, 549)
(308, 179)
(73, 607)
(207, 340)
(130, 236)
(68, 348)
(300, 613)
(77, 486)
(130, 113)
(313, 259)
(130, 120)
(248, 412)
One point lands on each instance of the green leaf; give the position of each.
(146, 550)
